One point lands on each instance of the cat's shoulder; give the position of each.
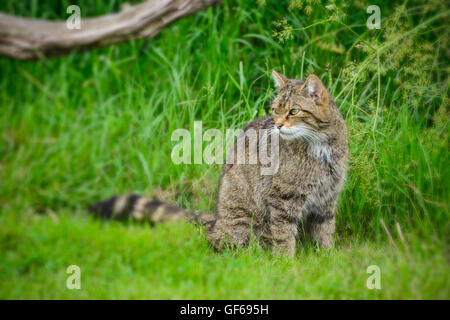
(260, 123)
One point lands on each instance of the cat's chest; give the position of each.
(301, 179)
(299, 167)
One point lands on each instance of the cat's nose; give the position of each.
(278, 125)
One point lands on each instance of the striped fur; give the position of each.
(139, 208)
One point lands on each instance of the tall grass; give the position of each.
(79, 128)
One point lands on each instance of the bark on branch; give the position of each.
(26, 39)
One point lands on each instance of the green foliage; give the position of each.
(80, 128)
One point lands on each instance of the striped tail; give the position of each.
(139, 208)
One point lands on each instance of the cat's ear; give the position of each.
(315, 89)
(279, 79)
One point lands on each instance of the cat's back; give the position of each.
(265, 123)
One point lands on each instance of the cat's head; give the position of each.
(301, 109)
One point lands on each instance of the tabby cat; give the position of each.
(298, 200)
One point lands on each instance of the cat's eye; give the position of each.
(293, 112)
(275, 111)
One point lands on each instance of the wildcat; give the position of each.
(298, 200)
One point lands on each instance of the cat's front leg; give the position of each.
(321, 230)
(283, 230)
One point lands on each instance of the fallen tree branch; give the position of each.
(27, 39)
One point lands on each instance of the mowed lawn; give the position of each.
(77, 129)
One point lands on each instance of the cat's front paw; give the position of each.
(325, 244)
(284, 250)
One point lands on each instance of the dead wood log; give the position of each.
(27, 39)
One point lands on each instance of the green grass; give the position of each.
(80, 128)
(174, 262)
